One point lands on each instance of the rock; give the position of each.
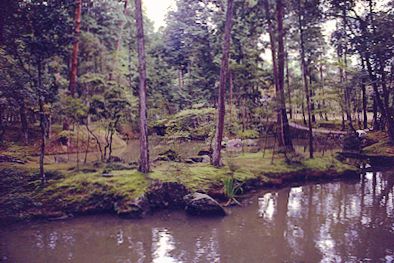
(249, 142)
(197, 159)
(167, 156)
(132, 208)
(166, 195)
(10, 159)
(206, 159)
(234, 143)
(190, 160)
(203, 205)
(361, 134)
(115, 159)
(204, 152)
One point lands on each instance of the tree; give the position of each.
(34, 48)
(144, 146)
(74, 57)
(216, 156)
(304, 70)
(285, 136)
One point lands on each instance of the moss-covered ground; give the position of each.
(69, 191)
(380, 145)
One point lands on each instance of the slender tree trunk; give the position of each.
(311, 96)
(285, 128)
(288, 86)
(24, 125)
(77, 127)
(216, 156)
(305, 78)
(74, 58)
(365, 103)
(375, 121)
(231, 94)
(144, 146)
(42, 124)
(303, 112)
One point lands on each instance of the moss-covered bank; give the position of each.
(128, 192)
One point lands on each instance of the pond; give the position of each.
(343, 221)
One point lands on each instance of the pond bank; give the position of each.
(127, 192)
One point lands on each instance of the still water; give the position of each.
(350, 221)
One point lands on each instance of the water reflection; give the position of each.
(337, 222)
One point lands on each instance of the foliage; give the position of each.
(248, 134)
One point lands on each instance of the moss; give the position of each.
(71, 191)
(248, 134)
(194, 176)
(382, 147)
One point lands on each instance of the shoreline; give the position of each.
(60, 203)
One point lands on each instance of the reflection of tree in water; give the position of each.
(327, 222)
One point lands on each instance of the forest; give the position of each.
(102, 111)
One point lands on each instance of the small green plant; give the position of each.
(248, 134)
(232, 188)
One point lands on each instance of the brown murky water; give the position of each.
(335, 222)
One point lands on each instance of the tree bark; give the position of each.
(42, 123)
(285, 138)
(365, 103)
(305, 78)
(74, 58)
(288, 86)
(231, 94)
(216, 156)
(24, 125)
(144, 146)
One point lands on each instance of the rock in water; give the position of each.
(203, 205)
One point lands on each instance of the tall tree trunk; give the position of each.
(24, 125)
(231, 94)
(285, 140)
(288, 86)
(42, 123)
(305, 78)
(216, 156)
(311, 95)
(375, 121)
(144, 146)
(365, 103)
(74, 58)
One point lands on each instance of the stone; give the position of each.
(115, 159)
(166, 195)
(132, 208)
(169, 155)
(249, 142)
(199, 204)
(206, 159)
(234, 143)
(361, 134)
(10, 159)
(197, 159)
(204, 152)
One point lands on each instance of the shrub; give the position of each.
(248, 134)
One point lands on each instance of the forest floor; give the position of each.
(124, 191)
